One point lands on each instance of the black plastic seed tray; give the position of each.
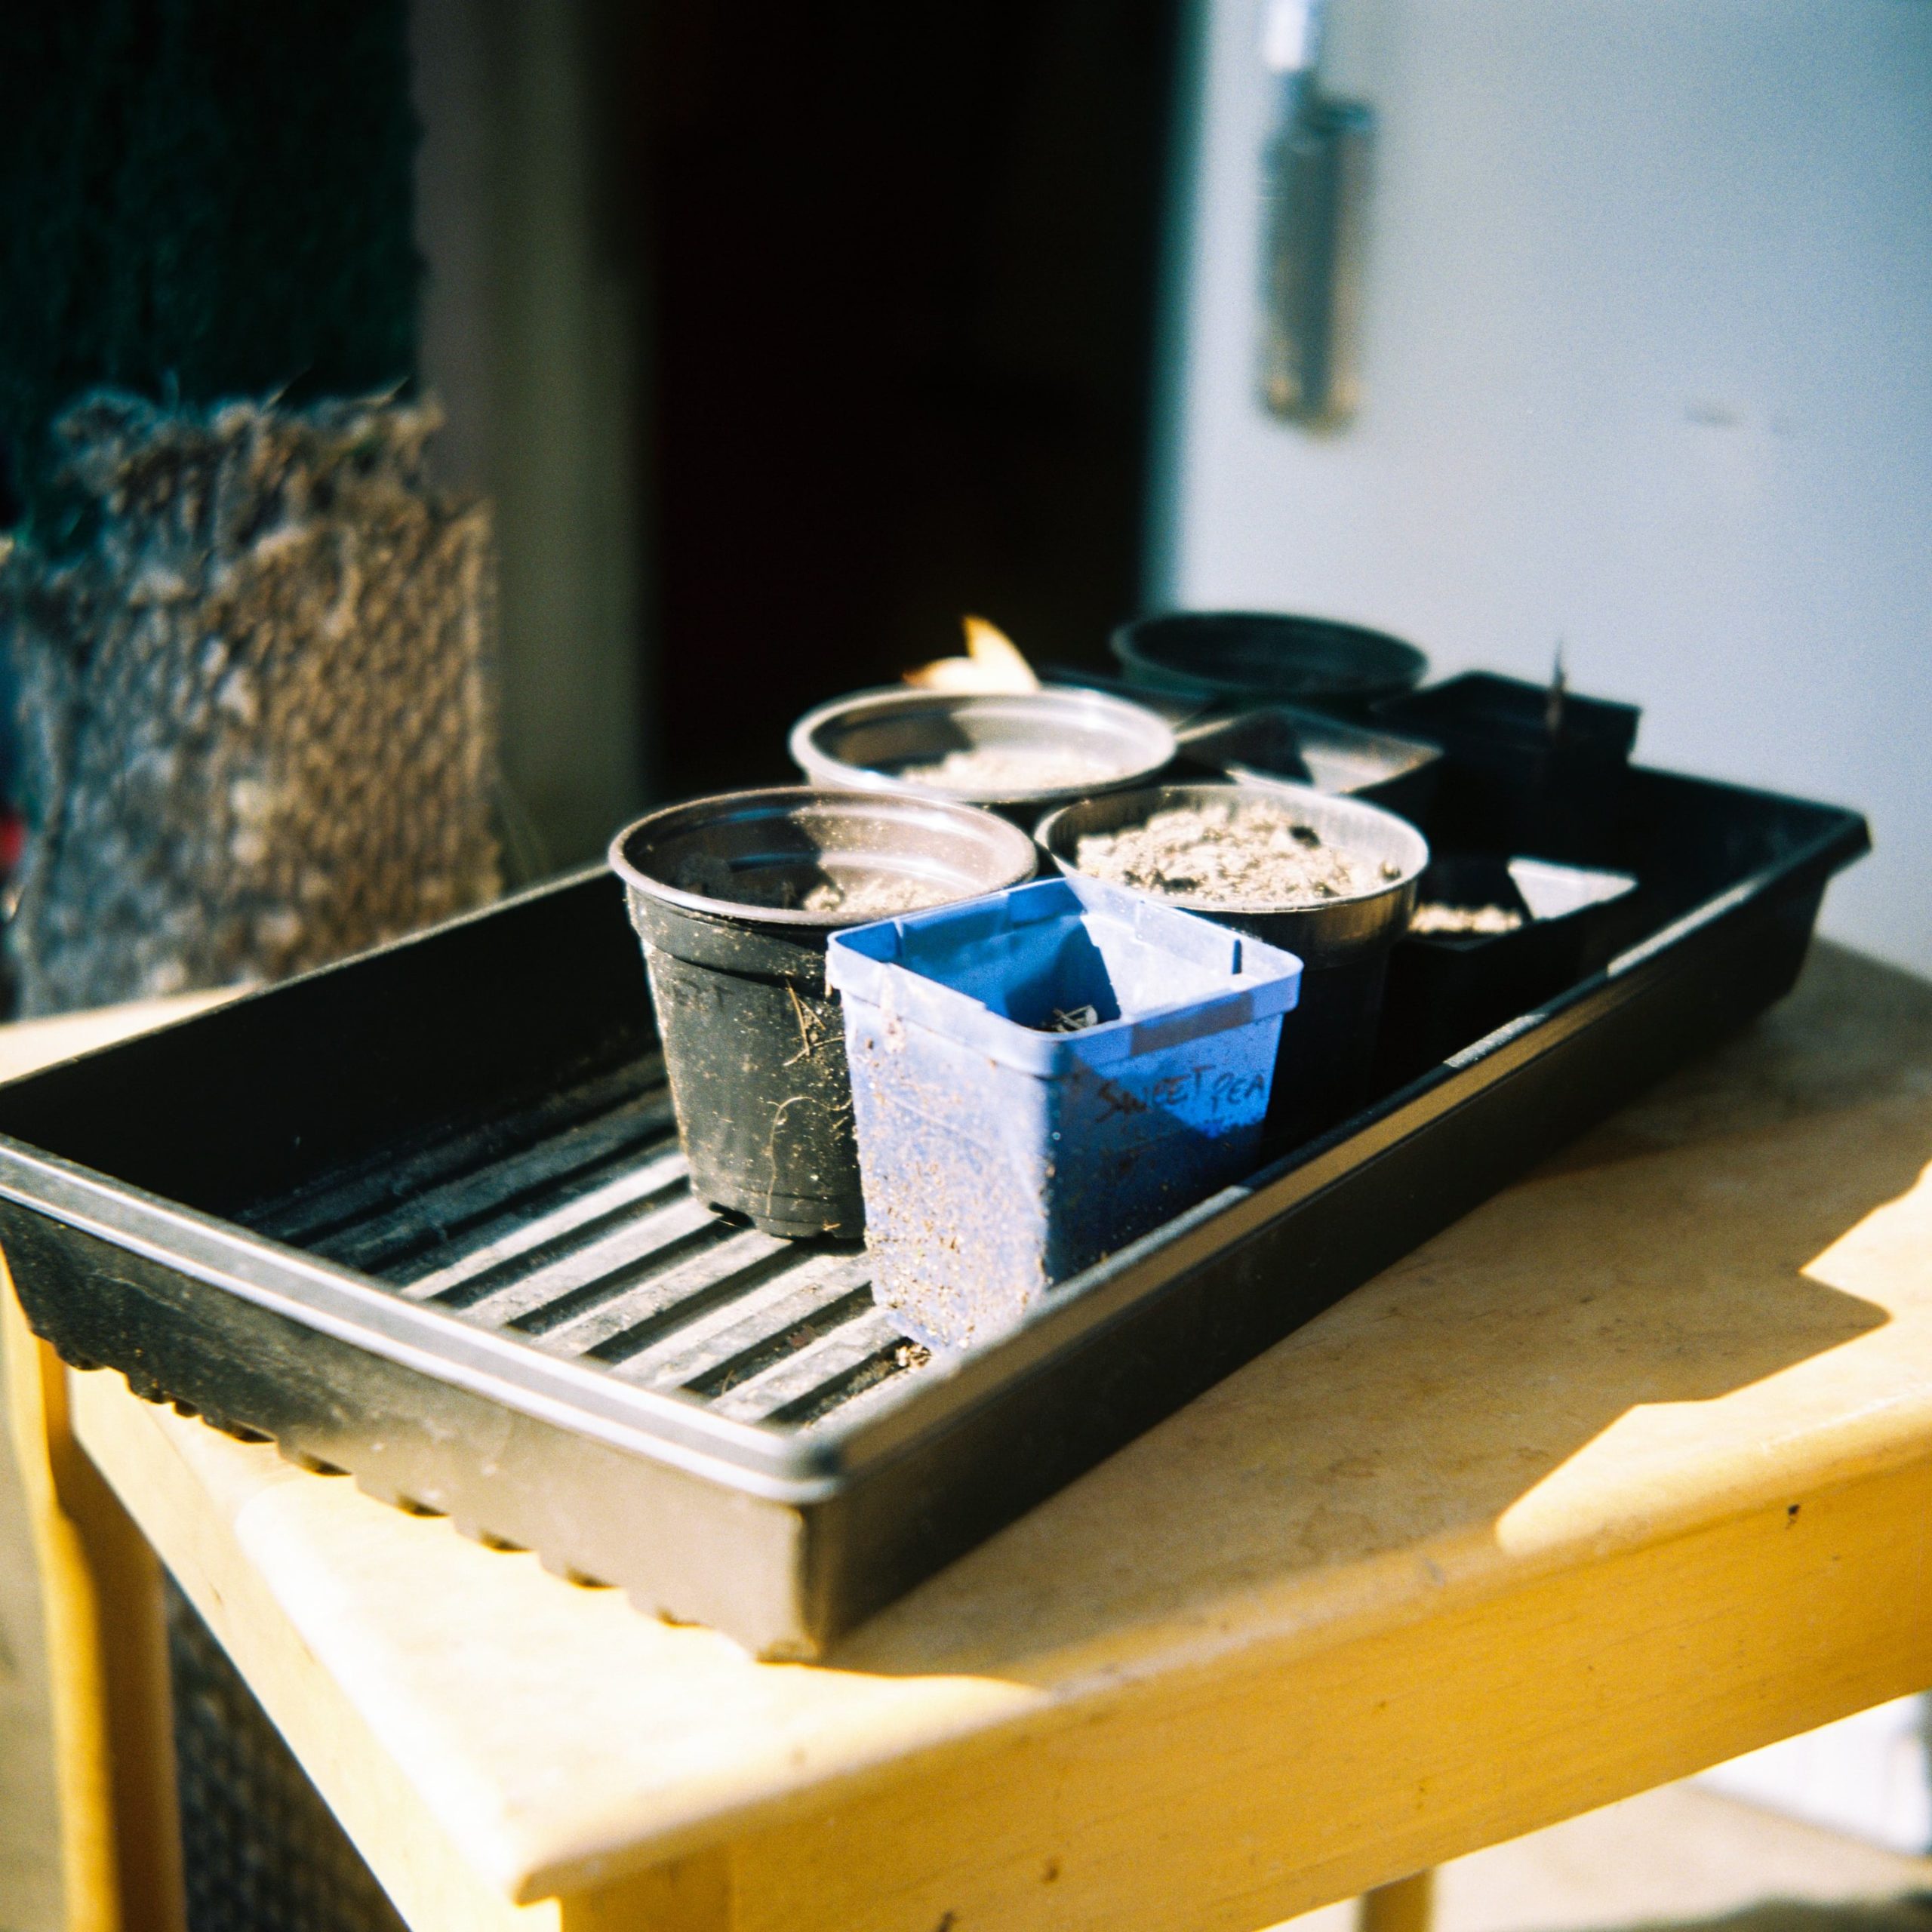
(422, 1216)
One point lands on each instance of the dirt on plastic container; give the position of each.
(1040, 1077)
(1342, 935)
(734, 898)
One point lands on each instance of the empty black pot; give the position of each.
(734, 898)
(1326, 1057)
(1523, 771)
(1262, 657)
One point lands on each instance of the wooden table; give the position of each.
(1629, 1471)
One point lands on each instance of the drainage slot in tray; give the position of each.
(569, 1226)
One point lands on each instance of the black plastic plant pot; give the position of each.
(1020, 753)
(1448, 989)
(1525, 770)
(1326, 1060)
(1279, 744)
(734, 898)
(1258, 657)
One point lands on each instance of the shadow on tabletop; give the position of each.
(1911, 1912)
(1664, 1259)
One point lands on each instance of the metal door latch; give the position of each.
(1313, 233)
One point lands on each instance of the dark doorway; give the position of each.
(901, 273)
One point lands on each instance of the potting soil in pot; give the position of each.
(810, 889)
(1008, 768)
(1253, 854)
(1464, 922)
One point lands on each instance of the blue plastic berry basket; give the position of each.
(998, 1155)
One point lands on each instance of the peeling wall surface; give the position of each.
(1647, 365)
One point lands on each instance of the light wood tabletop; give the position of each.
(1628, 1472)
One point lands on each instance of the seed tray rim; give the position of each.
(897, 1484)
(774, 1462)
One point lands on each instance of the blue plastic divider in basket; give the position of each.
(998, 1156)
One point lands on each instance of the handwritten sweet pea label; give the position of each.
(1191, 1090)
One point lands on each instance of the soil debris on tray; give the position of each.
(799, 889)
(1256, 854)
(1009, 768)
(1464, 922)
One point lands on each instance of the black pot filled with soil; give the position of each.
(1327, 879)
(734, 898)
(1527, 768)
(1246, 657)
(1491, 939)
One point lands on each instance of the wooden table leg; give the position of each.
(1407, 1906)
(107, 1661)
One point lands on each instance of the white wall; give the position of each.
(1647, 365)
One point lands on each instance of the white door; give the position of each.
(1646, 365)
